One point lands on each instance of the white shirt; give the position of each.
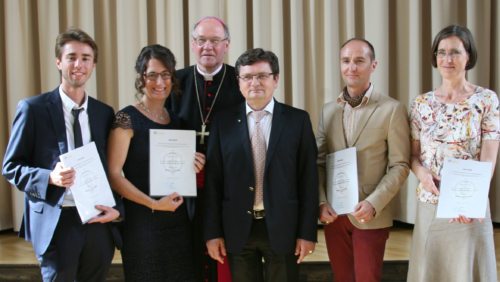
(68, 105)
(265, 123)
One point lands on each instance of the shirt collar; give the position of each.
(69, 104)
(268, 108)
(340, 99)
(208, 76)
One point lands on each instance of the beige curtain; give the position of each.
(305, 35)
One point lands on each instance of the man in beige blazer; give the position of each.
(377, 126)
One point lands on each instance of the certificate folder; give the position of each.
(171, 162)
(342, 180)
(464, 188)
(91, 186)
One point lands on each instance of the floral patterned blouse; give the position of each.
(452, 130)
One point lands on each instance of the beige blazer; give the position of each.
(382, 141)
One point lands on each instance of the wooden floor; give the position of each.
(16, 251)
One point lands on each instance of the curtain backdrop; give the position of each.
(306, 36)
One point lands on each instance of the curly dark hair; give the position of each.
(162, 54)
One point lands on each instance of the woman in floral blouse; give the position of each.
(458, 120)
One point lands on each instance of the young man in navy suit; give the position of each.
(261, 195)
(42, 130)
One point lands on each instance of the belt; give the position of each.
(260, 214)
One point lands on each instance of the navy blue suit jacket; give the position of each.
(37, 139)
(290, 180)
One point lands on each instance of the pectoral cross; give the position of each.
(203, 133)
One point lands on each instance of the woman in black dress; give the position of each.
(157, 244)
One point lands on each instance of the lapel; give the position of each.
(277, 126)
(338, 122)
(94, 118)
(366, 113)
(242, 132)
(55, 110)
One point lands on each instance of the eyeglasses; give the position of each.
(200, 41)
(153, 76)
(453, 54)
(260, 76)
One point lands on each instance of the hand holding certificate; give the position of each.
(342, 180)
(171, 160)
(464, 188)
(91, 186)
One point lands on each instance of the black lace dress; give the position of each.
(157, 246)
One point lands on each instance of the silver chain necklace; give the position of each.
(154, 115)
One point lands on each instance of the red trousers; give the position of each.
(355, 254)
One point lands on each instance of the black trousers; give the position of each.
(205, 267)
(77, 252)
(258, 262)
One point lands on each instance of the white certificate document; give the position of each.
(342, 180)
(91, 186)
(464, 188)
(171, 162)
